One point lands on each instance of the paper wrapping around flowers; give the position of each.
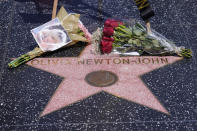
(70, 22)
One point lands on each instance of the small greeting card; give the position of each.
(51, 36)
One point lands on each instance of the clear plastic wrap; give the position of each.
(132, 38)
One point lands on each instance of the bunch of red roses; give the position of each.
(135, 40)
(108, 31)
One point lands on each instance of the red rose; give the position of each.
(106, 43)
(108, 38)
(107, 50)
(112, 23)
(106, 46)
(108, 31)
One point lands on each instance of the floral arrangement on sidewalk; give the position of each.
(132, 38)
(71, 24)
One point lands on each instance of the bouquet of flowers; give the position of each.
(63, 31)
(132, 38)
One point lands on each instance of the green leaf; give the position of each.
(155, 43)
(142, 38)
(130, 41)
(147, 46)
(138, 25)
(116, 45)
(138, 43)
(137, 32)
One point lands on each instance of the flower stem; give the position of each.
(187, 53)
(26, 57)
(122, 30)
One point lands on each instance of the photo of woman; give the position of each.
(51, 36)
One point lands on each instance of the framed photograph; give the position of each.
(51, 36)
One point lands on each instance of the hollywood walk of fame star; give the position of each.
(74, 88)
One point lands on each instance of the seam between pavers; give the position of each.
(7, 39)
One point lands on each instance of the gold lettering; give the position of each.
(68, 62)
(55, 62)
(98, 61)
(33, 62)
(108, 61)
(81, 62)
(143, 61)
(138, 61)
(116, 62)
(61, 62)
(164, 60)
(89, 61)
(157, 60)
(49, 61)
(126, 61)
(42, 62)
